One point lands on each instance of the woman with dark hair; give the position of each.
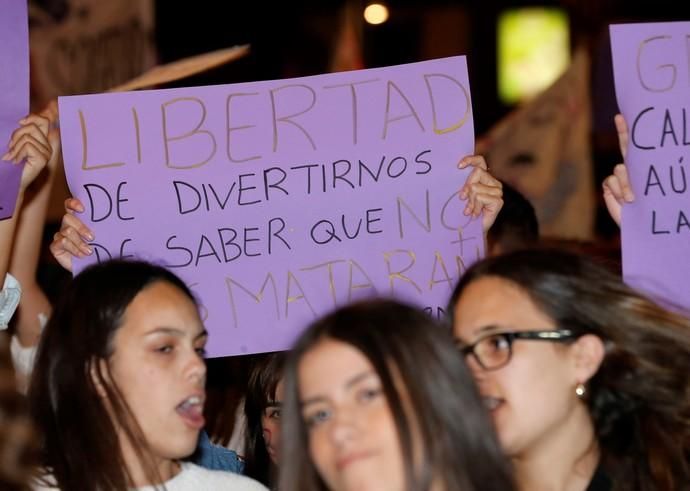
(377, 399)
(118, 386)
(586, 380)
(263, 411)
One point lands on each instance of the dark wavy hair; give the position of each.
(402, 343)
(264, 376)
(80, 444)
(639, 398)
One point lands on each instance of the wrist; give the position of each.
(20, 197)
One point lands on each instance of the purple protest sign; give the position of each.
(278, 201)
(652, 75)
(14, 92)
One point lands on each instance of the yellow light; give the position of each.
(533, 51)
(376, 13)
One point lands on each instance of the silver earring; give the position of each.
(580, 390)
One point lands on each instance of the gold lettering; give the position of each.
(444, 222)
(287, 119)
(258, 297)
(388, 119)
(289, 299)
(446, 277)
(353, 94)
(416, 218)
(460, 264)
(351, 285)
(463, 120)
(398, 275)
(461, 241)
(85, 151)
(668, 65)
(195, 131)
(230, 129)
(137, 133)
(331, 281)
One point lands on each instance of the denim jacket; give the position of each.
(215, 457)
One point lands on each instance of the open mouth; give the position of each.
(192, 411)
(492, 403)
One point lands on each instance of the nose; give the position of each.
(343, 429)
(196, 369)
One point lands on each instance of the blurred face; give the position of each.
(531, 398)
(353, 440)
(158, 365)
(270, 424)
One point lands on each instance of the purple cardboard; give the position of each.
(14, 92)
(651, 65)
(278, 201)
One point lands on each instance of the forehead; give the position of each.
(160, 304)
(329, 366)
(495, 301)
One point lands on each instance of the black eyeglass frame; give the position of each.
(552, 335)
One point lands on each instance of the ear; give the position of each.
(98, 371)
(588, 353)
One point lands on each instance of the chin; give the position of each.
(366, 481)
(182, 448)
(369, 485)
(510, 447)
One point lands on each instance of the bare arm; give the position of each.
(28, 239)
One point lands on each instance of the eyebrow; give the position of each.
(174, 331)
(272, 404)
(487, 329)
(348, 385)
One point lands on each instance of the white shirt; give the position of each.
(195, 478)
(9, 299)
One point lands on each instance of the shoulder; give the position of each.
(193, 476)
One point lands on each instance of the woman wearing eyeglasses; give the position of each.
(586, 380)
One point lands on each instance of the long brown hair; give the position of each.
(639, 398)
(459, 445)
(81, 449)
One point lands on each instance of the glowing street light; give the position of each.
(376, 13)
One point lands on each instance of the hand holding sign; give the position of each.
(73, 237)
(29, 143)
(617, 190)
(483, 192)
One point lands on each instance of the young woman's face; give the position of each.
(158, 365)
(353, 440)
(532, 397)
(270, 424)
